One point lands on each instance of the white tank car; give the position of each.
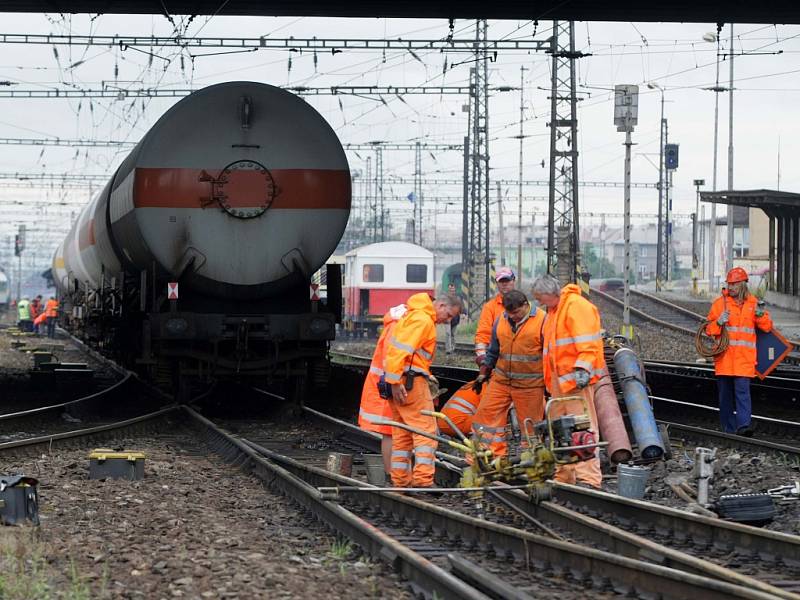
(239, 191)
(59, 270)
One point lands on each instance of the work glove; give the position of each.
(433, 386)
(723, 318)
(479, 359)
(760, 309)
(581, 378)
(477, 385)
(484, 374)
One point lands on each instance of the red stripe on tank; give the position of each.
(295, 188)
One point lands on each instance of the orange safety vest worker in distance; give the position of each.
(739, 359)
(460, 409)
(573, 340)
(515, 353)
(373, 407)
(483, 334)
(51, 308)
(411, 349)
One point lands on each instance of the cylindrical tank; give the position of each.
(637, 401)
(609, 419)
(59, 271)
(240, 191)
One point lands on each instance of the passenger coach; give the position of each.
(379, 276)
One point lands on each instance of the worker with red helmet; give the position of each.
(740, 313)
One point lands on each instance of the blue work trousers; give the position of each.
(734, 402)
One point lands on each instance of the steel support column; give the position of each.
(476, 267)
(563, 243)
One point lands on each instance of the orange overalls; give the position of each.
(483, 334)
(737, 365)
(515, 353)
(373, 407)
(460, 409)
(411, 349)
(739, 360)
(573, 340)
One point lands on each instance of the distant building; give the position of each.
(644, 249)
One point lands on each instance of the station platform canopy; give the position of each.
(685, 11)
(783, 210)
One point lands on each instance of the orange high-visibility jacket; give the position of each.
(739, 360)
(460, 408)
(489, 313)
(373, 407)
(572, 340)
(51, 308)
(413, 342)
(515, 351)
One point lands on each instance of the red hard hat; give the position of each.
(736, 275)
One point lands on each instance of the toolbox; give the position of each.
(105, 463)
(19, 500)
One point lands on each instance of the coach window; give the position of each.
(416, 273)
(372, 273)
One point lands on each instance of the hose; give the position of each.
(716, 348)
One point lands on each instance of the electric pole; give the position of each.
(519, 191)
(476, 267)
(729, 261)
(626, 114)
(563, 242)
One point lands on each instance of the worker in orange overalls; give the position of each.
(51, 314)
(409, 354)
(514, 362)
(460, 409)
(36, 310)
(373, 407)
(573, 362)
(740, 313)
(506, 280)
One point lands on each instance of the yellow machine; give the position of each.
(548, 443)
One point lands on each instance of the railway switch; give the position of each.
(19, 500)
(105, 463)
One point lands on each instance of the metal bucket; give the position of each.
(376, 475)
(632, 481)
(339, 463)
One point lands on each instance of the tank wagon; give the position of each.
(195, 260)
(5, 292)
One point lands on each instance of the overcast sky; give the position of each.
(674, 56)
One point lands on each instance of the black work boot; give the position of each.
(747, 430)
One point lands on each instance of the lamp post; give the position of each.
(695, 238)
(729, 228)
(712, 233)
(626, 113)
(662, 141)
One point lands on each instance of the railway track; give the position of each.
(434, 547)
(684, 541)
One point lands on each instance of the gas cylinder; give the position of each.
(640, 413)
(609, 419)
